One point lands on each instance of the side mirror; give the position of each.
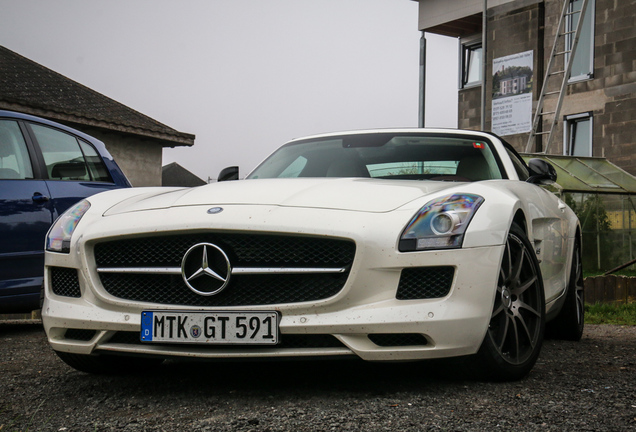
(541, 172)
(229, 173)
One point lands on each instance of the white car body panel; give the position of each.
(371, 212)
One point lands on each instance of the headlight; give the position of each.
(59, 237)
(440, 224)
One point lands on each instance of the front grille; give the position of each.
(425, 282)
(64, 282)
(242, 290)
(244, 251)
(397, 339)
(288, 341)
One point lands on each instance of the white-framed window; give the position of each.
(470, 61)
(583, 62)
(577, 134)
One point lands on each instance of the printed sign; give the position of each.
(512, 94)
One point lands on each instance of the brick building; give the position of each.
(598, 115)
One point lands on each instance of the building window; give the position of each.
(583, 62)
(471, 62)
(578, 135)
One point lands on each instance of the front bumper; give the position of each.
(454, 325)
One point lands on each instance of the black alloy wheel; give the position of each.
(515, 332)
(569, 324)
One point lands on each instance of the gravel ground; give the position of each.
(590, 385)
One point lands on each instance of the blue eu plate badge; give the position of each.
(146, 326)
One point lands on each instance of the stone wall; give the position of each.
(139, 159)
(610, 94)
(513, 30)
(614, 83)
(469, 109)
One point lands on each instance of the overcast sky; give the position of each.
(244, 76)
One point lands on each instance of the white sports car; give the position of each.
(388, 245)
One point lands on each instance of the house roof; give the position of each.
(174, 174)
(29, 87)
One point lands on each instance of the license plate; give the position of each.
(258, 328)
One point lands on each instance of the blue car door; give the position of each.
(25, 217)
(74, 168)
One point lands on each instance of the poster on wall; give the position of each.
(512, 94)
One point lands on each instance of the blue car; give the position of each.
(45, 168)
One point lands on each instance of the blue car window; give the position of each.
(96, 166)
(15, 163)
(63, 155)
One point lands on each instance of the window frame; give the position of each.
(30, 162)
(32, 137)
(269, 170)
(569, 132)
(590, 12)
(470, 45)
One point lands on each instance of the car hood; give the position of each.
(354, 194)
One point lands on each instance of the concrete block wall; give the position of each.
(139, 159)
(510, 31)
(469, 109)
(610, 94)
(614, 82)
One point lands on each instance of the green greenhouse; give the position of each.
(602, 195)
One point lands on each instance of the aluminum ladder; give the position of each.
(551, 79)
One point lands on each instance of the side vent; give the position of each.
(397, 339)
(425, 282)
(64, 282)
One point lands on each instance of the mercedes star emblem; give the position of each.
(206, 269)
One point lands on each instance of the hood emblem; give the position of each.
(206, 269)
(215, 210)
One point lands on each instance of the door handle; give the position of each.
(39, 198)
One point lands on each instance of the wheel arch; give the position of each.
(520, 219)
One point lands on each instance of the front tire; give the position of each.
(569, 324)
(515, 332)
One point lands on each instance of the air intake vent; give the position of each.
(425, 282)
(289, 341)
(79, 334)
(397, 339)
(64, 282)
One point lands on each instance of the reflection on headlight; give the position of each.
(440, 224)
(59, 237)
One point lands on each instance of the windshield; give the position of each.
(385, 155)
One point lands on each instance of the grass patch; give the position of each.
(624, 314)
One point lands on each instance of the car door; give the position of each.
(74, 169)
(550, 229)
(25, 215)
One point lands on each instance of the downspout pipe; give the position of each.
(422, 102)
(484, 60)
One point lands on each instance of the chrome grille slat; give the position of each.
(243, 270)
